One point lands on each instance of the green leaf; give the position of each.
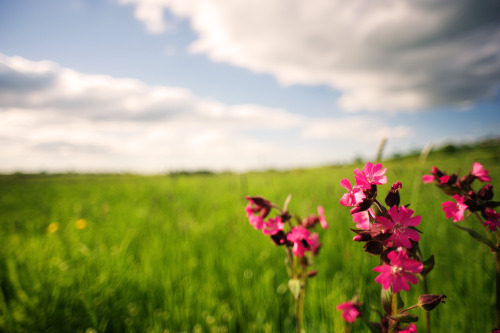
(386, 297)
(477, 236)
(294, 286)
(401, 304)
(428, 265)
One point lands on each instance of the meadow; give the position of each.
(175, 253)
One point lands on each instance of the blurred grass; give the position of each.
(175, 253)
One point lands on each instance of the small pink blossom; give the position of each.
(372, 174)
(273, 226)
(362, 219)
(354, 195)
(493, 221)
(257, 221)
(480, 173)
(400, 271)
(428, 179)
(314, 243)
(296, 235)
(412, 328)
(455, 210)
(349, 311)
(321, 215)
(444, 179)
(399, 226)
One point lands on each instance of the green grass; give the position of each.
(176, 253)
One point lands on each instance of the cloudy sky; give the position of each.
(159, 85)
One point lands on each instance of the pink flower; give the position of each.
(493, 221)
(401, 220)
(444, 179)
(455, 210)
(372, 174)
(257, 209)
(428, 179)
(349, 311)
(399, 272)
(362, 219)
(257, 221)
(273, 226)
(296, 235)
(480, 173)
(354, 195)
(314, 243)
(321, 215)
(412, 328)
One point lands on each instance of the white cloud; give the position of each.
(55, 118)
(382, 55)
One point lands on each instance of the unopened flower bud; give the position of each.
(392, 198)
(486, 193)
(312, 273)
(429, 302)
(362, 236)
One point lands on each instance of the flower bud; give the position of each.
(392, 198)
(429, 302)
(486, 193)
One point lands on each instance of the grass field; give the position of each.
(175, 253)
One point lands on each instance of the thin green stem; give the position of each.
(497, 305)
(394, 311)
(486, 230)
(427, 314)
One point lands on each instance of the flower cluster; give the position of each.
(294, 234)
(389, 232)
(299, 236)
(465, 197)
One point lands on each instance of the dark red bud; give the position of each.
(429, 302)
(486, 193)
(392, 198)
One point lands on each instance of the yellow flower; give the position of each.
(52, 227)
(80, 224)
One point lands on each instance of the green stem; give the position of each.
(496, 254)
(497, 304)
(302, 298)
(394, 311)
(427, 314)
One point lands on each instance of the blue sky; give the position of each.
(159, 85)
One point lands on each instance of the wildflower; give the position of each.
(455, 210)
(321, 215)
(480, 173)
(257, 205)
(362, 219)
(53, 227)
(257, 221)
(412, 328)
(428, 179)
(349, 311)
(399, 272)
(312, 220)
(273, 226)
(354, 195)
(299, 236)
(399, 226)
(372, 174)
(80, 224)
(493, 219)
(314, 243)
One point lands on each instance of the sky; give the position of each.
(152, 86)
